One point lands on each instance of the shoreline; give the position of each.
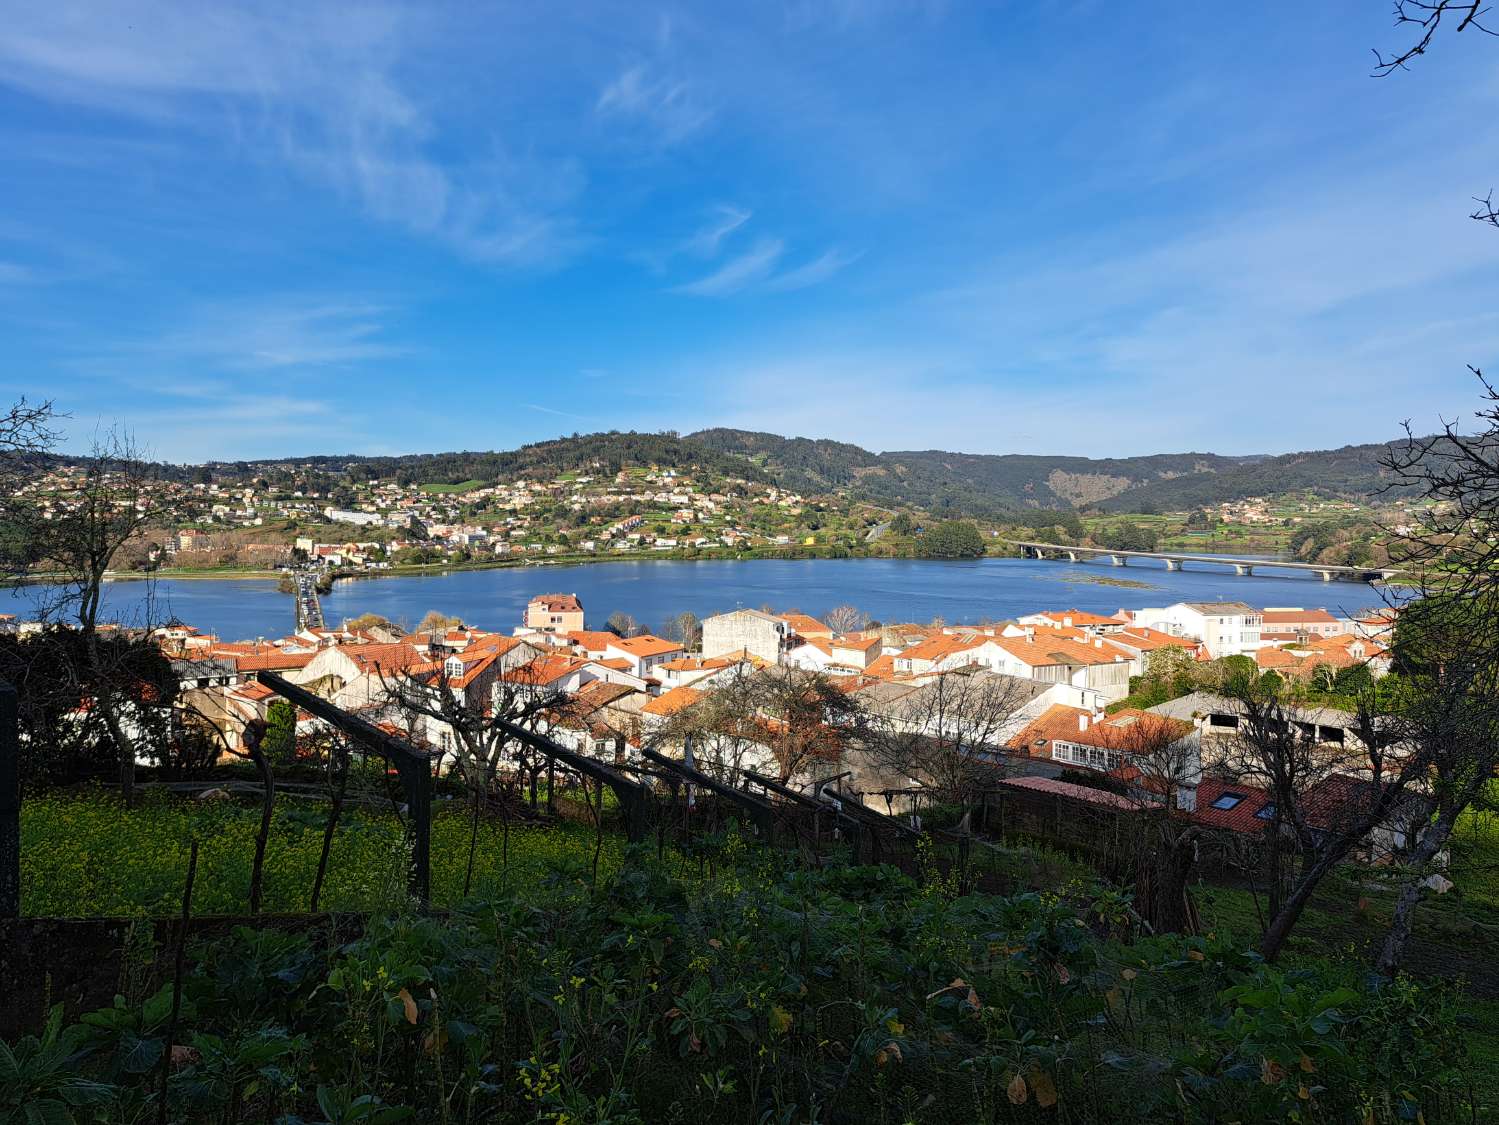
(803, 554)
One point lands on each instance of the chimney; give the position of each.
(1030, 633)
(1098, 642)
(1082, 722)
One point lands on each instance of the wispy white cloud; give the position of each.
(756, 270)
(557, 413)
(754, 265)
(726, 220)
(319, 85)
(815, 272)
(668, 106)
(277, 333)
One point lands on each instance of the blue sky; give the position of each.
(266, 229)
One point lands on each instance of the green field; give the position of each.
(462, 486)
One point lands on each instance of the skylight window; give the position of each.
(1267, 812)
(1228, 801)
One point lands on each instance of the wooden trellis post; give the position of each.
(10, 805)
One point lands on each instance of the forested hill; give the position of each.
(972, 484)
(1354, 471)
(975, 483)
(588, 453)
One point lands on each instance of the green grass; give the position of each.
(1475, 851)
(86, 855)
(463, 486)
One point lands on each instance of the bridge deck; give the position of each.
(1221, 560)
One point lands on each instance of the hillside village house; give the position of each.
(554, 613)
(1224, 628)
(838, 655)
(1282, 623)
(1151, 747)
(1030, 653)
(1217, 719)
(762, 635)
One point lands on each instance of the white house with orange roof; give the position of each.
(1074, 619)
(554, 613)
(1138, 642)
(842, 654)
(1224, 628)
(642, 654)
(1287, 623)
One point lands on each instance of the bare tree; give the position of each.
(1326, 801)
(685, 629)
(1446, 638)
(796, 716)
(465, 716)
(948, 735)
(435, 621)
(1427, 17)
(621, 624)
(117, 494)
(846, 619)
(1161, 760)
(26, 436)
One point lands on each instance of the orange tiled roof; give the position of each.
(645, 645)
(1046, 650)
(669, 703)
(1077, 617)
(1057, 721)
(1131, 729)
(805, 624)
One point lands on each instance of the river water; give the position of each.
(886, 589)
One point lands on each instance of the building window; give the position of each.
(1266, 813)
(1228, 801)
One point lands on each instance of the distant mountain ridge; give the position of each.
(946, 483)
(991, 484)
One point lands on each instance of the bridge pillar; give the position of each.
(1243, 570)
(1118, 560)
(1072, 556)
(1326, 575)
(1173, 564)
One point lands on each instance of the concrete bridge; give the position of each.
(1242, 567)
(309, 608)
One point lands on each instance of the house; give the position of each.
(805, 625)
(552, 673)
(358, 676)
(746, 630)
(1044, 655)
(554, 613)
(1332, 800)
(1331, 653)
(600, 719)
(1138, 642)
(1224, 628)
(1286, 623)
(684, 670)
(841, 654)
(1218, 718)
(942, 653)
(1150, 748)
(1074, 619)
(642, 654)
